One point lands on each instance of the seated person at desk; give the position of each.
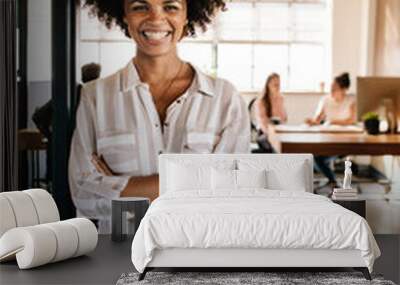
(269, 108)
(156, 103)
(338, 108)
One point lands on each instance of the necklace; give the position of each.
(171, 81)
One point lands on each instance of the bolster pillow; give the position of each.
(40, 244)
(26, 208)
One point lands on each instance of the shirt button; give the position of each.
(178, 101)
(160, 152)
(156, 125)
(166, 124)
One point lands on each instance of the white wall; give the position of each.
(352, 37)
(38, 62)
(387, 63)
(39, 40)
(38, 55)
(387, 56)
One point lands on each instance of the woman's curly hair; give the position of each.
(199, 13)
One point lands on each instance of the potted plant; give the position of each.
(371, 122)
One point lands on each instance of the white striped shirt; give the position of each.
(117, 119)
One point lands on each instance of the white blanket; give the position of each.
(250, 219)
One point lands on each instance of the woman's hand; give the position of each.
(310, 122)
(101, 165)
(145, 186)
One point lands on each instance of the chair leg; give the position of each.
(364, 271)
(142, 275)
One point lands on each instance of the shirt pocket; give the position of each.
(200, 142)
(119, 152)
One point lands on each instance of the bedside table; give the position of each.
(120, 206)
(358, 206)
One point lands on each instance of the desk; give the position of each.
(32, 141)
(334, 143)
(110, 259)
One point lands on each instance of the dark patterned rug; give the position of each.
(243, 278)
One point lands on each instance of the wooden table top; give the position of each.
(31, 139)
(335, 143)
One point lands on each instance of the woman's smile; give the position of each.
(156, 37)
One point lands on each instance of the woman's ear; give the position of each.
(128, 29)
(185, 31)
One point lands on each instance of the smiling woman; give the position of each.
(199, 12)
(156, 104)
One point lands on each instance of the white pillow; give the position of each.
(280, 180)
(187, 174)
(251, 178)
(223, 179)
(289, 175)
(182, 177)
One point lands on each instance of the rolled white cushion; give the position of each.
(23, 208)
(7, 218)
(87, 234)
(46, 208)
(37, 245)
(67, 240)
(33, 246)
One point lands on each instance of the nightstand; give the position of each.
(358, 206)
(137, 206)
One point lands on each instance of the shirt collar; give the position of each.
(204, 82)
(130, 79)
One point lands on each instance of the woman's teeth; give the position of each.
(155, 35)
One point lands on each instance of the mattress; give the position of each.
(251, 219)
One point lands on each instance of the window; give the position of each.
(255, 38)
(244, 44)
(97, 44)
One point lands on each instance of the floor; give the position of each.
(106, 264)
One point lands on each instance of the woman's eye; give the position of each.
(171, 8)
(138, 8)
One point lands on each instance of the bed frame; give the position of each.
(245, 259)
(249, 259)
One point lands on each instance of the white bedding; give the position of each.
(250, 219)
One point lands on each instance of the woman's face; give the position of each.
(156, 25)
(274, 85)
(336, 91)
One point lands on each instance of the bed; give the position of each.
(247, 211)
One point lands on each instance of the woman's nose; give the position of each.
(156, 14)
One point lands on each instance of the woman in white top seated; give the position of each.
(156, 104)
(269, 108)
(338, 108)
